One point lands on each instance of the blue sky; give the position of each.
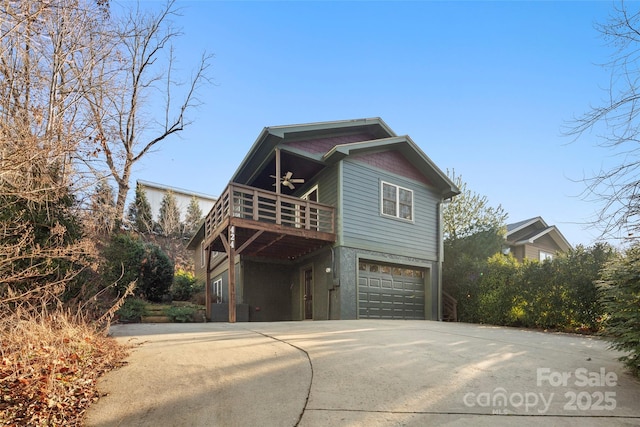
(482, 87)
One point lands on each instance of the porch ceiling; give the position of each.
(300, 167)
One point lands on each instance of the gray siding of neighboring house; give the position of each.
(544, 243)
(518, 252)
(532, 250)
(365, 227)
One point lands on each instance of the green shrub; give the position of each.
(156, 273)
(556, 294)
(545, 295)
(123, 256)
(128, 258)
(184, 286)
(180, 314)
(583, 268)
(132, 310)
(498, 290)
(621, 300)
(199, 297)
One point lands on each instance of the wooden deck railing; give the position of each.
(241, 201)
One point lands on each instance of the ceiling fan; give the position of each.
(288, 180)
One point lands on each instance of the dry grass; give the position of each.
(49, 364)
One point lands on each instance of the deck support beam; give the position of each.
(231, 254)
(207, 287)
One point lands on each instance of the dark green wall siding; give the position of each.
(267, 290)
(328, 186)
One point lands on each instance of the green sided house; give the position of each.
(334, 220)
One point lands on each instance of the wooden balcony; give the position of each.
(266, 224)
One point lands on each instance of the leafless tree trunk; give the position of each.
(143, 65)
(616, 124)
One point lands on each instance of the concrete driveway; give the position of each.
(363, 373)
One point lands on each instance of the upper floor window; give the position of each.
(397, 201)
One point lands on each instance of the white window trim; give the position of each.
(544, 255)
(202, 254)
(397, 215)
(216, 289)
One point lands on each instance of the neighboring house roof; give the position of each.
(175, 190)
(532, 229)
(359, 136)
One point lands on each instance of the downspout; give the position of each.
(335, 279)
(440, 259)
(335, 283)
(207, 290)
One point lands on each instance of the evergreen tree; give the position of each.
(169, 218)
(39, 239)
(140, 212)
(103, 208)
(194, 218)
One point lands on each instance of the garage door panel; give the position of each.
(386, 296)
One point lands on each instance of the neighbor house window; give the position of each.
(397, 201)
(545, 256)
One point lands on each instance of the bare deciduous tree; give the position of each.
(40, 129)
(616, 123)
(469, 213)
(142, 66)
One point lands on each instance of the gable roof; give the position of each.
(262, 149)
(532, 229)
(375, 123)
(405, 145)
(377, 137)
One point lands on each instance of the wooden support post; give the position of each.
(232, 274)
(207, 287)
(278, 172)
